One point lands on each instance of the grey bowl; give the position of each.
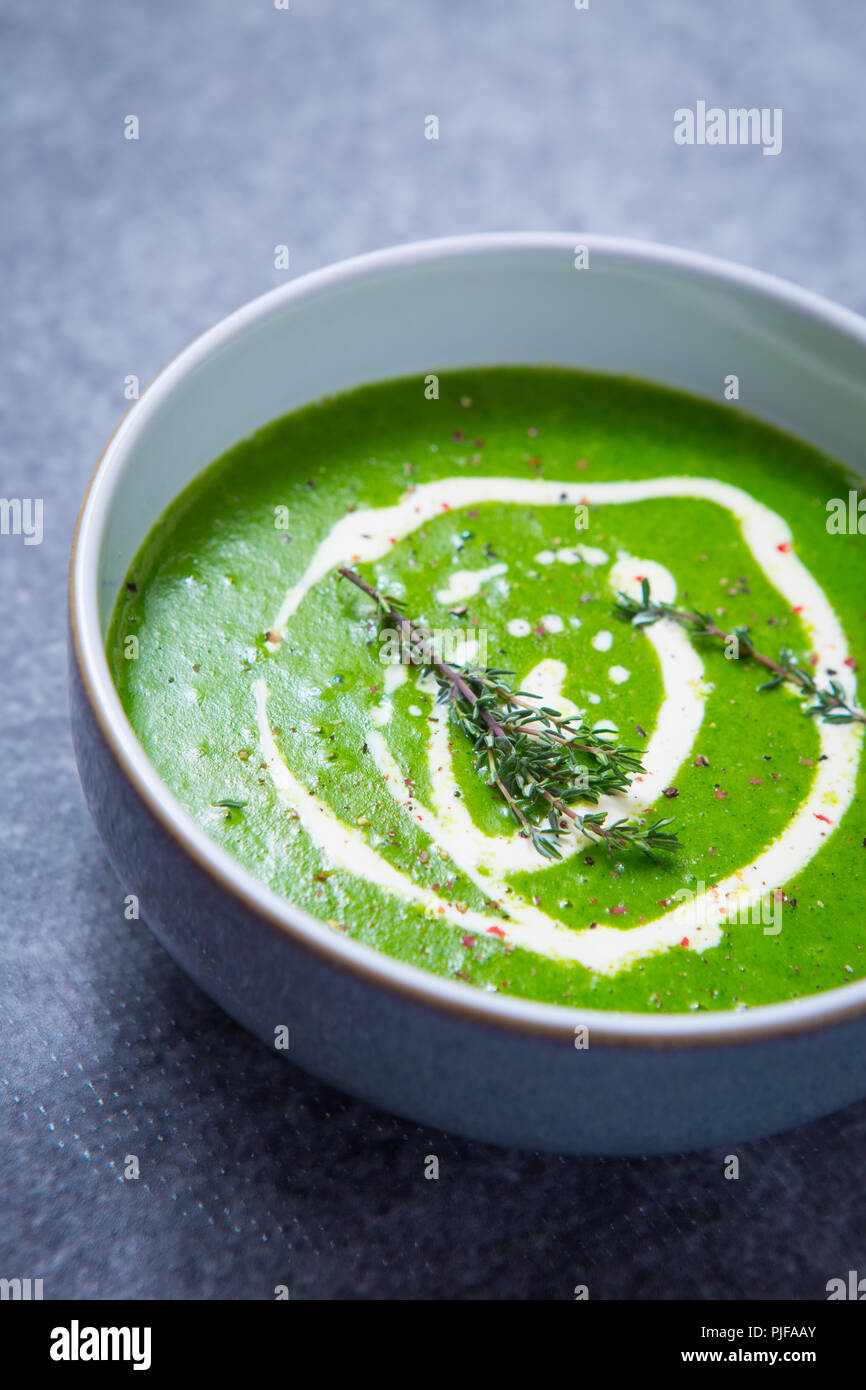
(439, 1051)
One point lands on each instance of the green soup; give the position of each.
(505, 512)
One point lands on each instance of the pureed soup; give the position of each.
(667, 837)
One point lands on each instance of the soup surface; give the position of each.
(504, 509)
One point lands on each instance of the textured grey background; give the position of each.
(261, 127)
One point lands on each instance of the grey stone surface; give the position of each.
(260, 127)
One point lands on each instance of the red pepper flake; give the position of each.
(798, 608)
(685, 941)
(446, 506)
(756, 781)
(784, 547)
(617, 911)
(720, 795)
(468, 941)
(813, 659)
(473, 514)
(826, 819)
(496, 931)
(852, 662)
(392, 540)
(581, 463)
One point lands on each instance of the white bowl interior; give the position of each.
(649, 312)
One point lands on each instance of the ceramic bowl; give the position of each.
(434, 1050)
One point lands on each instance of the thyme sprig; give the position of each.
(829, 702)
(540, 761)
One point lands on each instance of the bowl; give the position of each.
(440, 1052)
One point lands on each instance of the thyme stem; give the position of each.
(831, 701)
(528, 751)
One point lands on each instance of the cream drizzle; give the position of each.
(463, 584)
(366, 536)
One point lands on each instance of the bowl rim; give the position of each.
(551, 1022)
